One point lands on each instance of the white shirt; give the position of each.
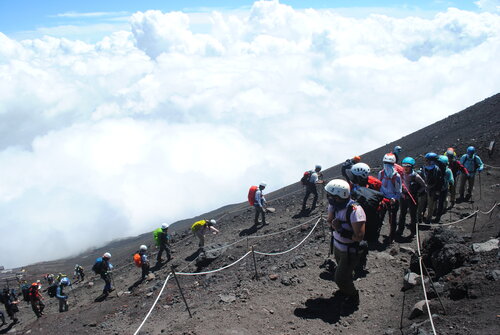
(357, 215)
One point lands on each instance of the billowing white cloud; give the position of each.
(489, 5)
(162, 122)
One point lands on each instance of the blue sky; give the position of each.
(21, 19)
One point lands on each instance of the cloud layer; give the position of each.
(106, 140)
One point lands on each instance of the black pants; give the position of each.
(407, 204)
(310, 189)
(393, 214)
(258, 212)
(37, 306)
(107, 283)
(441, 201)
(166, 248)
(145, 270)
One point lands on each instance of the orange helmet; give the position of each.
(357, 159)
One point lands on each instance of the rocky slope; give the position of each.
(292, 292)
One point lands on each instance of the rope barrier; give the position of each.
(423, 281)
(491, 210)
(449, 223)
(287, 251)
(216, 270)
(492, 167)
(283, 231)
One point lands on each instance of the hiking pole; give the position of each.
(180, 289)
(255, 264)
(404, 298)
(475, 219)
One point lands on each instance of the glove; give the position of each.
(479, 170)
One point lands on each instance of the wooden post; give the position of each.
(255, 264)
(180, 289)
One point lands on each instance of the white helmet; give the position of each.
(164, 226)
(263, 184)
(212, 222)
(389, 158)
(107, 255)
(143, 248)
(338, 187)
(361, 170)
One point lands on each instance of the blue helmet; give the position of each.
(431, 156)
(471, 150)
(65, 281)
(443, 159)
(397, 149)
(408, 161)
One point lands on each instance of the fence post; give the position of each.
(323, 226)
(255, 264)
(474, 226)
(180, 289)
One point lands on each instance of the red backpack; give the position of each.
(251, 194)
(374, 183)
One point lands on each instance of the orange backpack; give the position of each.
(137, 260)
(251, 195)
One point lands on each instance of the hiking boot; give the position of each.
(437, 219)
(468, 196)
(351, 300)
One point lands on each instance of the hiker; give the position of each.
(391, 189)
(143, 260)
(63, 298)
(103, 267)
(456, 167)
(434, 180)
(163, 241)
(79, 274)
(260, 204)
(359, 176)
(472, 163)
(199, 228)
(347, 220)
(36, 299)
(10, 301)
(396, 151)
(347, 165)
(310, 180)
(447, 181)
(413, 185)
(50, 278)
(59, 277)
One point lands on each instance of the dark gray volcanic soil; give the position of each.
(293, 294)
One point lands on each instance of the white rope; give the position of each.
(491, 210)
(491, 166)
(287, 251)
(449, 223)
(283, 231)
(423, 281)
(154, 304)
(216, 270)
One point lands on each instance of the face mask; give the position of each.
(389, 170)
(430, 165)
(338, 205)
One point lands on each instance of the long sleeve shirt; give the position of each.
(259, 199)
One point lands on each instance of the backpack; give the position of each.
(33, 290)
(25, 290)
(251, 195)
(197, 225)
(369, 200)
(374, 183)
(137, 260)
(97, 266)
(305, 178)
(156, 235)
(52, 290)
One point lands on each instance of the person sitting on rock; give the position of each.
(199, 229)
(347, 220)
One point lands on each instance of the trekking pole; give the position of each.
(180, 289)
(474, 225)
(433, 287)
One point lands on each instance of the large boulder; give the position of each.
(450, 257)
